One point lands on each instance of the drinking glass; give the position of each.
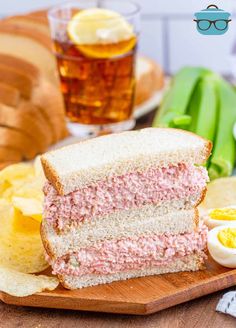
(97, 76)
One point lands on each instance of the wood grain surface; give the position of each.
(192, 314)
(135, 296)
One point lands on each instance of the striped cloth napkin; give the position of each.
(227, 304)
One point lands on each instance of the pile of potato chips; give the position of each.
(21, 249)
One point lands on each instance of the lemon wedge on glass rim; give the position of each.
(101, 33)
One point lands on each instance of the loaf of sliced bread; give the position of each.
(19, 77)
(30, 105)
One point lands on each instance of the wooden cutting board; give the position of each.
(135, 296)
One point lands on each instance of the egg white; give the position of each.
(212, 223)
(223, 255)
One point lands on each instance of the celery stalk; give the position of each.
(175, 102)
(223, 157)
(203, 107)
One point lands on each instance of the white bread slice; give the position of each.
(145, 221)
(149, 79)
(84, 163)
(26, 43)
(191, 262)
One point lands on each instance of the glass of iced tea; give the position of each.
(95, 45)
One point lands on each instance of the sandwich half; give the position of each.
(124, 206)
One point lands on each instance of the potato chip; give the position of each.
(21, 246)
(21, 201)
(221, 192)
(22, 284)
(24, 224)
(29, 207)
(31, 187)
(16, 172)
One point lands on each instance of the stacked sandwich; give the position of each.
(124, 205)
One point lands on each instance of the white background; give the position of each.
(168, 33)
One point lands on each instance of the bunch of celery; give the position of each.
(200, 101)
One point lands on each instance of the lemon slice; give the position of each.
(101, 33)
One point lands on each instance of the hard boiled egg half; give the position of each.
(220, 216)
(222, 244)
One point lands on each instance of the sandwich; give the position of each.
(124, 206)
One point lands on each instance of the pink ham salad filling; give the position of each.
(110, 256)
(124, 192)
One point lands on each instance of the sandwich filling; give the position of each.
(111, 256)
(132, 190)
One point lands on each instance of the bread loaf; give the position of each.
(33, 87)
(31, 110)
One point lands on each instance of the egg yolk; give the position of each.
(223, 214)
(227, 237)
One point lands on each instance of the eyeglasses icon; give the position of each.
(205, 24)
